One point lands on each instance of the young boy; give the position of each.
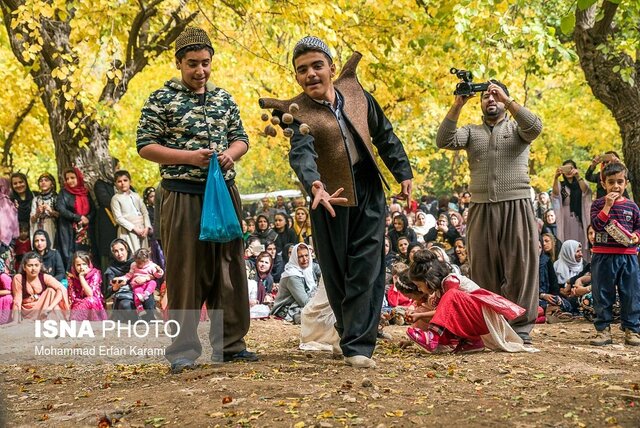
(613, 262)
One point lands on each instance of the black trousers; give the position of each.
(350, 250)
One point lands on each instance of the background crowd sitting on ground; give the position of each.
(45, 232)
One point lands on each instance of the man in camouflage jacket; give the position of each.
(182, 126)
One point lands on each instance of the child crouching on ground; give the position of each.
(471, 320)
(616, 221)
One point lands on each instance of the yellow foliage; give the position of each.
(407, 55)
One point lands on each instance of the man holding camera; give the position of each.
(501, 230)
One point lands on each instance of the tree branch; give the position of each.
(14, 129)
(603, 27)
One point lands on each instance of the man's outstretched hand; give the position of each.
(405, 190)
(322, 197)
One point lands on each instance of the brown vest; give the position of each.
(333, 161)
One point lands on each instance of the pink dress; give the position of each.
(6, 301)
(475, 314)
(147, 287)
(83, 307)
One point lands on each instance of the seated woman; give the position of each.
(6, 298)
(400, 228)
(85, 295)
(548, 282)
(51, 259)
(297, 285)
(461, 258)
(37, 295)
(285, 235)
(442, 233)
(568, 265)
(403, 250)
(263, 231)
(124, 308)
(302, 225)
(551, 246)
(457, 222)
(424, 223)
(278, 264)
(581, 287)
(260, 286)
(550, 225)
(470, 320)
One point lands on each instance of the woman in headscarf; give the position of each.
(260, 284)
(550, 225)
(9, 229)
(121, 260)
(569, 264)
(569, 261)
(457, 222)
(424, 222)
(43, 208)
(263, 231)
(76, 211)
(285, 235)
(302, 225)
(297, 285)
(51, 259)
(22, 196)
(571, 199)
(400, 227)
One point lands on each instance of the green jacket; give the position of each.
(174, 117)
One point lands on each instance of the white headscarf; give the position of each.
(566, 266)
(429, 222)
(292, 268)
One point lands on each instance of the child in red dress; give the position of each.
(466, 315)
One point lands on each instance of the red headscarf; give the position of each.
(81, 193)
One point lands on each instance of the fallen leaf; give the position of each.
(536, 410)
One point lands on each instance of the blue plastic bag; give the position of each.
(219, 222)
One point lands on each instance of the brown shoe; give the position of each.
(603, 337)
(631, 338)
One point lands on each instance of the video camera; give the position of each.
(467, 87)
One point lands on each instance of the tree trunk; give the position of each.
(80, 139)
(7, 159)
(621, 97)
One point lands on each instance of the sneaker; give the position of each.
(360, 362)
(182, 364)
(603, 337)
(425, 339)
(631, 338)
(526, 339)
(469, 347)
(243, 355)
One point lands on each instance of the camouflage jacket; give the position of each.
(173, 117)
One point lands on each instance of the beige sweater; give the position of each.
(498, 160)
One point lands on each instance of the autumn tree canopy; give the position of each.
(89, 83)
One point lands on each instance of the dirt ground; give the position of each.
(568, 383)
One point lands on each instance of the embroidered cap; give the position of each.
(311, 43)
(192, 36)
